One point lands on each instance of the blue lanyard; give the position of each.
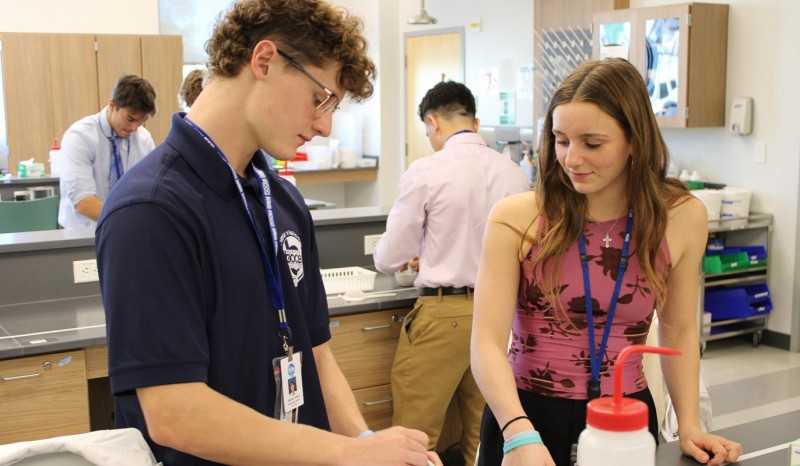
(270, 269)
(596, 357)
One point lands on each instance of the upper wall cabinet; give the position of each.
(681, 51)
(52, 80)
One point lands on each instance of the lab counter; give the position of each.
(764, 442)
(43, 310)
(73, 323)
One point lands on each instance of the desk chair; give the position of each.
(38, 214)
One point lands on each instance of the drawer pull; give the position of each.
(376, 327)
(379, 402)
(20, 377)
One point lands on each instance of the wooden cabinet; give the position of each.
(364, 346)
(562, 37)
(52, 80)
(681, 52)
(43, 396)
(162, 58)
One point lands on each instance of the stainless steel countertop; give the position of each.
(81, 237)
(65, 324)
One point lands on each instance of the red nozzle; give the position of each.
(623, 355)
(55, 144)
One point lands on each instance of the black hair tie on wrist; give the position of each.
(513, 420)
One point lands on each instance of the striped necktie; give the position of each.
(116, 170)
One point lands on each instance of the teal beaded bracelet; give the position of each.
(522, 438)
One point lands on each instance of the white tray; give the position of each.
(342, 279)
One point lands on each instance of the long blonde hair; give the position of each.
(618, 89)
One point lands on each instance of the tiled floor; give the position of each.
(747, 383)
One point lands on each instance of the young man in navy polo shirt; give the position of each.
(209, 266)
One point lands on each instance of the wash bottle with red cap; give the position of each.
(617, 427)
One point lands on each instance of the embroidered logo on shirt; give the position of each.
(293, 249)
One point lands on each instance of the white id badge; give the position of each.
(282, 390)
(292, 381)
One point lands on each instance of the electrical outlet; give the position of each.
(370, 242)
(85, 271)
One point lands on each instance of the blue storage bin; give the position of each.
(757, 255)
(737, 302)
(714, 244)
(712, 252)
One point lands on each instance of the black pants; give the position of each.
(559, 421)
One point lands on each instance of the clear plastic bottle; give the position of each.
(616, 427)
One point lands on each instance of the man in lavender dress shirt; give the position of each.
(436, 224)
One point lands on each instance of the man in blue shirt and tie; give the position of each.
(97, 149)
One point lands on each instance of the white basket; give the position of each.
(343, 279)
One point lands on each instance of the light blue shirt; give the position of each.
(86, 162)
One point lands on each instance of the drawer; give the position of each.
(364, 345)
(43, 396)
(96, 361)
(376, 406)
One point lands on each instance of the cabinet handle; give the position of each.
(20, 377)
(379, 402)
(376, 327)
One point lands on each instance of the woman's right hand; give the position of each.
(532, 454)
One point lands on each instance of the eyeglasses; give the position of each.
(331, 102)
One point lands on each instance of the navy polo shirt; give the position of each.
(184, 287)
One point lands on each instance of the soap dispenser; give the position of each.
(617, 427)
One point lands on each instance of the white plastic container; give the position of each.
(616, 431)
(712, 198)
(347, 157)
(322, 155)
(735, 202)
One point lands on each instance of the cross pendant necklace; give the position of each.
(607, 238)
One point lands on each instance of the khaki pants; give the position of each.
(431, 367)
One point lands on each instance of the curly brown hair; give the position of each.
(191, 87)
(310, 31)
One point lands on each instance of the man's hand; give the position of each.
(413, 263)
(394, 446)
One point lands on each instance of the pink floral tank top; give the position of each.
(549, 352)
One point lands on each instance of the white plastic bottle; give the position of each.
(55, 159)
(616, 431)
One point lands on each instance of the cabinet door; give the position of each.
(117, 55)
(364, 346)
(74, 80)
(162, 65)
(665, 61)
(28, 95)
(615, 35)
(376, 406)
(43, 396)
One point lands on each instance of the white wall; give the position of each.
(80, 16)
(763, 64)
